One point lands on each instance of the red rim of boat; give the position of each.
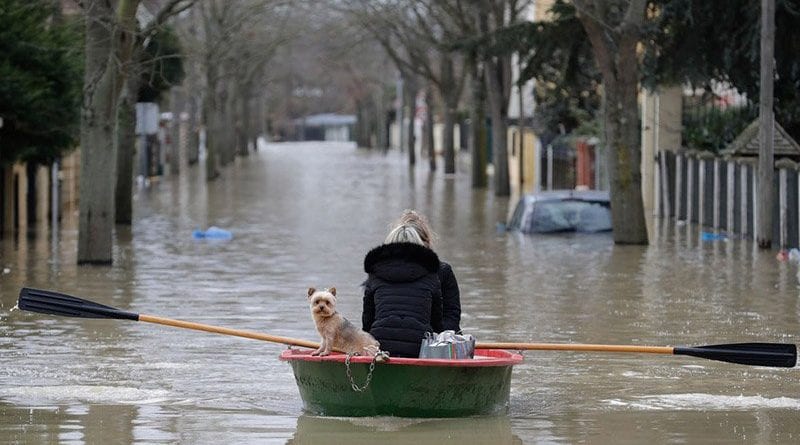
(483, 357)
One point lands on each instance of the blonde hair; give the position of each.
(411, 227)
(404, 234)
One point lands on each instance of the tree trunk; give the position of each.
(210, 118)
(447, 139)
(478, 137)
(193, 142)
(381, 121)
(616, 57)
(227, 119)
(449, 94)
(247, 121)
(623, 158)
(126, 151)
(109, 42)
(410, 93)
(766, 128)
(497, 72)
(243, 126)
(363, 124)
(428, 131)
(257, 126)
(177, 104)
(499, 111)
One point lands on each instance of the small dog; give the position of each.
(335, 330)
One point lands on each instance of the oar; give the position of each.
(56, 303)
(781, 355)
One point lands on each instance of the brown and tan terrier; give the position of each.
(337, 332)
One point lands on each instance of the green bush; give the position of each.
(40, 81)
(712, 129)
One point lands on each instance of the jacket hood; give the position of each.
(401, 261)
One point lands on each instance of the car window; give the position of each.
(516, 219)
(593, 217)
(568, 216)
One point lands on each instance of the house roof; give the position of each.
(747, 144)
(327, 119)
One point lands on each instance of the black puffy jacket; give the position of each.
(402, 296)
(451, 299)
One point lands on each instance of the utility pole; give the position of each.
(521, 98)
(766, 131)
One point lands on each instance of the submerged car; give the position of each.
(562, 211)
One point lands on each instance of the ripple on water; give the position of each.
(67, 394)
(700, 401)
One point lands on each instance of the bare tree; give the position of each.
(330, 67)
(614, 29)
(415, 35)
(465, 17)
(493, 15)
(110, 39)
(126, 142)
(126, 112)
(478, 137)
(231, 46)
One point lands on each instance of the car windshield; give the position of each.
(569, 216)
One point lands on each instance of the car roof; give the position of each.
(584, 195)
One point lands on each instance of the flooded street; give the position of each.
(304, 215)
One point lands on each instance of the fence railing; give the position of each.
(721, 193)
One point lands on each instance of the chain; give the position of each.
(353, 384)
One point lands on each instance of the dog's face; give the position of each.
(322, 302)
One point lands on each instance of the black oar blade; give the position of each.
(781, 355)
(55, 303)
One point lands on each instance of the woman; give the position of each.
(451, 296)
(403, 292)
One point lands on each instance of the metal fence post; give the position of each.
(701, 192)
(743, 170)
(664, 183)
(689, 187)
(786, 215)
(678, 185)
(550, 167)
(730, 195)
(754, 175)
(782, 207)
(716, 200)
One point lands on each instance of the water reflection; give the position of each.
(389, 430)
(67, 424)
(304, 215)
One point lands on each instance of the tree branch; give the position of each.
(172, 8)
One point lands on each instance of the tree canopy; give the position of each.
(701, 41)
(556, 53)
(685, 41)
(40, 82)
(162, 65)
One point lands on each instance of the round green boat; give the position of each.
(404, 387)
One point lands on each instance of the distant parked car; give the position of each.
(562, 211)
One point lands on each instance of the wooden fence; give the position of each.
(721, 194)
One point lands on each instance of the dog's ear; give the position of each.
(311, 291)
(332, 290)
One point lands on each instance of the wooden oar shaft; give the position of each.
(227, 331)
(576, 347)
(783, 355)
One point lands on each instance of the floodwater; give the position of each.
(304, 215)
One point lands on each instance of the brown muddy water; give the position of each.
(304, 215)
